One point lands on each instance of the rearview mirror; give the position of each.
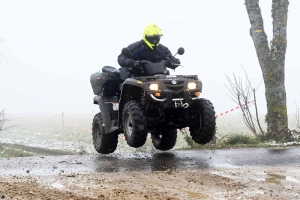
(180, 51)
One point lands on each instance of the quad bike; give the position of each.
(149, 100)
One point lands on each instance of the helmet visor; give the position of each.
(153, 39)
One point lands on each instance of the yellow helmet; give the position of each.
(151, 35)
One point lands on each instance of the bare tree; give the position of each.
(241, 94)
(272, 60)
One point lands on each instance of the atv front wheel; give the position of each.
(203, 121)
(103, 143)
(134, 124)
(164, 139)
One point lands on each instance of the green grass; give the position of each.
(9, 152)
(239, 140)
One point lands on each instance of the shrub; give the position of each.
(239, 138)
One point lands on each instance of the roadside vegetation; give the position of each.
(243, 140)
(11, 152)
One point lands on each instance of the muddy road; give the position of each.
(193, 174)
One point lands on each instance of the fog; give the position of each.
(49, 49)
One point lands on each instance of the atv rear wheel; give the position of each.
(103, 143)
(164, 139)
(203, 120)
(134, 124)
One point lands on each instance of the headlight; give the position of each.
(153, 87)
(192, 85)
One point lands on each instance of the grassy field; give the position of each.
(48, 132)
(38, 131)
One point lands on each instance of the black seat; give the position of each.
(112, 72)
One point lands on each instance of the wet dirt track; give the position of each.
(193, 174)
(181, 160)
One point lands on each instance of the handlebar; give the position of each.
(170, 63)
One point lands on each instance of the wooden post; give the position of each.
(63, 130)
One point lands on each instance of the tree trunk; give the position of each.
(271, 59)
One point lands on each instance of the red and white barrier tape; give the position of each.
(122, 137)
(80, 127)
(232, 109)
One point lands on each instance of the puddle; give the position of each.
(292, 179)
(266, 177)
(195, 195)
(224, 175)
(276, 178)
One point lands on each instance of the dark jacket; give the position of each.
(140, 51)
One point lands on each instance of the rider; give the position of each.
(148, 48)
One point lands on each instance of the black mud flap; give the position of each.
(109, 111)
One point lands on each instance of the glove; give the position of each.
(176, 61)
(172, 61)
(129, 62)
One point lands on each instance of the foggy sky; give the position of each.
(50, 48)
